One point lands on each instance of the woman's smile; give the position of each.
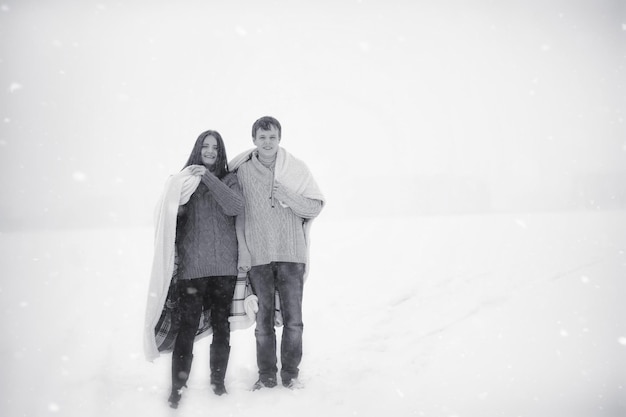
(209, 150)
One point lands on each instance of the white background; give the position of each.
(470, 260)
(449, 107)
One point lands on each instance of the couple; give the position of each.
(223, 229)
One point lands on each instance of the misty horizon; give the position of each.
(450, 108)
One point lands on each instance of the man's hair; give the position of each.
(221, 164)
(266, 123)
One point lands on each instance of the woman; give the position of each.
(204, 273)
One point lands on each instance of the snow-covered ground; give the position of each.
(482, 315)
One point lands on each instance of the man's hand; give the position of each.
(279, 190)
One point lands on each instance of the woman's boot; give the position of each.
(181, 366)
(219, 363)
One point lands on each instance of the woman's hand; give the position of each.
(198, 170)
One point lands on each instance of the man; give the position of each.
(281, 199)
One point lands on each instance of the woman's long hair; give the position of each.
(220, 168)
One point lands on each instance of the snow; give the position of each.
(15, 87)
(415, 111)
(79, 176)
(515, 314)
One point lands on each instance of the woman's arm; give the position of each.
(244, 262)
(227, 193)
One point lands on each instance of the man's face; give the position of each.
(266, 142)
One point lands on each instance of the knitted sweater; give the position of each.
(274, 224)
(206, 240)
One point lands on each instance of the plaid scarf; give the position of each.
(242, 315)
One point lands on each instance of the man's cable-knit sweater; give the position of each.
(206, 240)
(273, 229)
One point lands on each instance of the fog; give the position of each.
(472, 153)
(399, 108)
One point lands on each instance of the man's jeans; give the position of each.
(288, 279)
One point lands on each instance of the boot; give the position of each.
(219, 363)
(181, 366)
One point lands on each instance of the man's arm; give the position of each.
(307, 208)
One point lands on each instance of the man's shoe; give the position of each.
(293, 383)
(264, 383)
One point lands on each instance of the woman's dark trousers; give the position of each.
(216, 294)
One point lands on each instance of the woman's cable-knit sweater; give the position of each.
(206, 240)
(274, 231)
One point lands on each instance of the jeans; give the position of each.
(214, 293)
(288, 279)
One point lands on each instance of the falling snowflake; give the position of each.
(622, 341)
(241, 31)
(79, 176)
(15, 87)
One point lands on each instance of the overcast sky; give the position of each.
(100, 101)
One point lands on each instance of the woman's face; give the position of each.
(209, 151)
